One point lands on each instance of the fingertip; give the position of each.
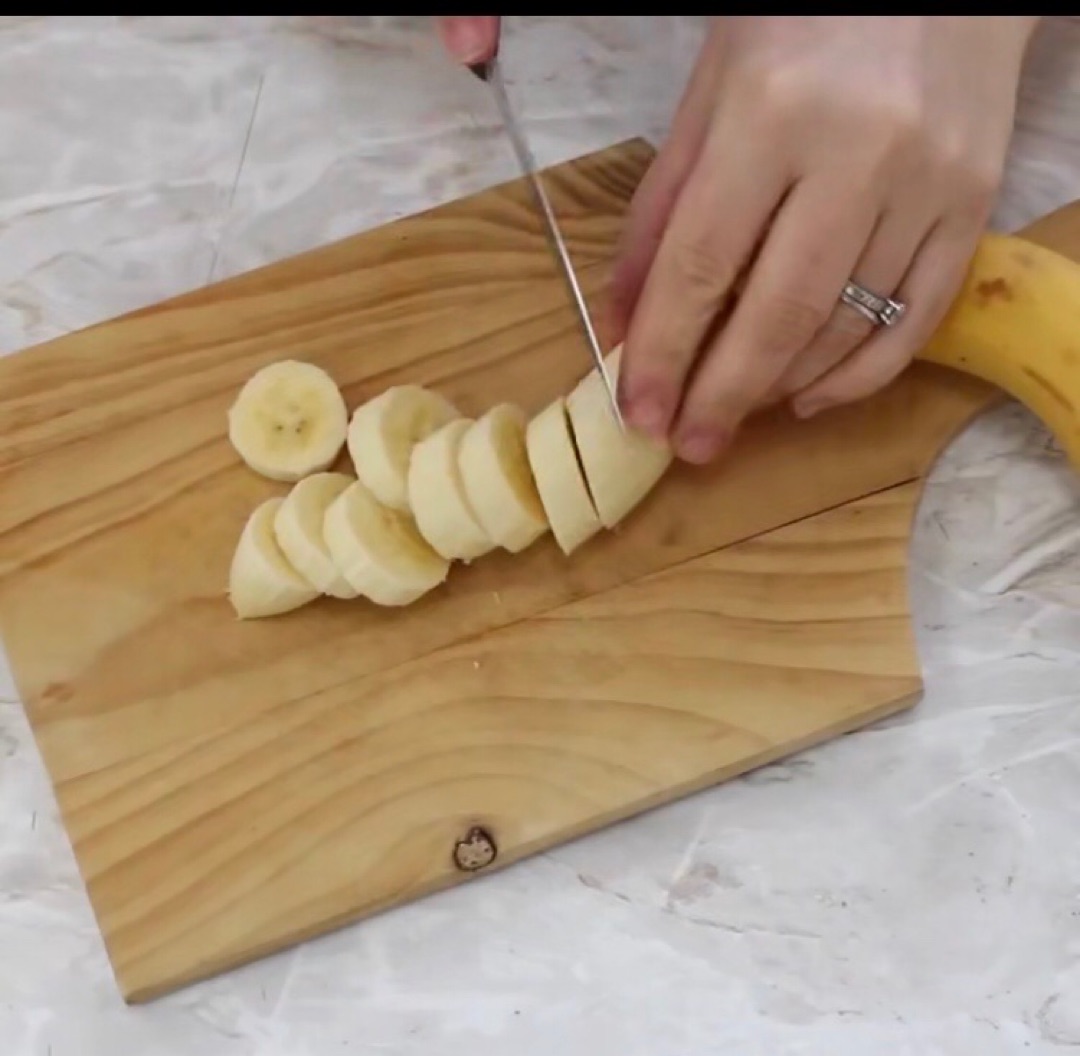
(645, 403)
(469, 38)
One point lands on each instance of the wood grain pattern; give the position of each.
(230, 788)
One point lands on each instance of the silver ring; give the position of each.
(881, 311)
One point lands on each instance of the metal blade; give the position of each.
(491, 72)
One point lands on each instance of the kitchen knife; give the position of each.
(491, 73)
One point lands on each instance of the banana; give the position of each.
(262, 582)
(1015, 324)
(499, 485)
(620, 468)
(383, 432)
(298, 527)
(437, 496)
(379, 550)
(288, 420)
(559, 478)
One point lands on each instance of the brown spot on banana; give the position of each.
(1016, 325)
(993, 290)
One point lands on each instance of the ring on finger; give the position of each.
(878, 309)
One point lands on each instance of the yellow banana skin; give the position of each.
(1016, 325)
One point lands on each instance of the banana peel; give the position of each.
(1016, 325)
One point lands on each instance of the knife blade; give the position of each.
(491, 73)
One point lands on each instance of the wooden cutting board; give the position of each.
(232, 788)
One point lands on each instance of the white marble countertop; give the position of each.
(914, 889)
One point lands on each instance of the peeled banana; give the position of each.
(437, 496)
(383, 433)
(621, 468)
(298, 527)
(379, 550)
(288, 420)
(262, 582)
(498, 483)
(560, 480)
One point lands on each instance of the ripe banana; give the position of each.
(288, 420)
(499, 485)
(560, 480)
(383, 433)
(1016, 325)
(379, 550)
(437, 496)
(298, 526)
(621, 468)
(262, 582)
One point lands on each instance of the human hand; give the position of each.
(469, 38)
(807, 151)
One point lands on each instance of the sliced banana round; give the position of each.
(621, 468)
(262, 582)
(288, 420)
(437, 496)
(560, 482)
(298, 526)
(498, 482)
(379, 550)
(383, 432)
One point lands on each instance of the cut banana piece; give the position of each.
(498, 482)
(620, 468)
(298, 526)
(288, 420)
(437, 496)
(383, 433)
(379, 550)
(262, 582)
(559, 478)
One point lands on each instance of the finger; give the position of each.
(655, 197)
(881, 268)
(469, 38)
(808, 254)
(715, 226)
(928, 290)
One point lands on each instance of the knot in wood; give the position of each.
(475, 850)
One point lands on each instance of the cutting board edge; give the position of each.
(197, 295)
(140, 995)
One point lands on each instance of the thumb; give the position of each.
(469, 38)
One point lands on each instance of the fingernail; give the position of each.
(648, 414)
(699, 445)
(808, 408)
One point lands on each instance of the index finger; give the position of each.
(714, 228)
(810, 252)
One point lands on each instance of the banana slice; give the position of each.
(498, 482)
(262, 582)
(379, 550)
(382, 435)
(298, 526)
(620, 468)
(559, 478)
(437, 496)
(288, 420)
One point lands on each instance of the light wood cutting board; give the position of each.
(232, 788)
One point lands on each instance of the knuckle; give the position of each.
(779, 90)
(704, 264)
(789, 324)
(846, 327)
